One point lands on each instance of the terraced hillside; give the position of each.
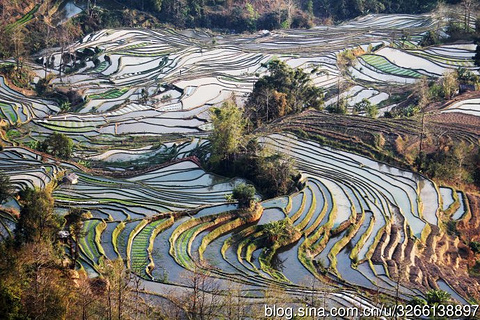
(385, 139)
(357, 223)
(166, 80)
(358, 226)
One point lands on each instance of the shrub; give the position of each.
(475, 246)
(365, 105)
(437, 297)
(338, 108)
(452, 228)
(58, 145)
(429, 39)
(244, 194)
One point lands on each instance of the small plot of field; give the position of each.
(26, 18)
(382, 64)
(139, 253)
(9, 112)
(470, 106)
(110, 94)
(89, 243)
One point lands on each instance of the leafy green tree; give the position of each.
(371, 110)
(366, 106)
(37, 220)
(339, 108)
(475, 246)
(58, 145)
(417, 301)
(437, 297)
(6, 188)
(244, 194)
(74, 224)
(65, 106)
(275, 175)
(252, 17)
(276, 230)
(430, 39)
(283, 91)
(10, 302)
(227, 135)
(466, 76)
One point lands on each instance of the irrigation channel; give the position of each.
(358, 223)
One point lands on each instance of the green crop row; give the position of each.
(110, 94)
(382, 64)
(27, 17)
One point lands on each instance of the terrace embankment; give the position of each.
(367, 136)
(395, 141)
(422, 265)
(132, 173)
(468, 227)
(445, 105)
(439, 255)
(441, 258)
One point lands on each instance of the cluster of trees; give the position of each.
(253, 15)
(32, 279)
(235, 153)
(58, 145)
(244, 194)
(428, 90)
(283, 91)
(454, 162)
(226, 14)
(37, 277)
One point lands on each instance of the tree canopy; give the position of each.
(283, 91)
(235, 154)
(37, 220)
(58, 145)
(228, 129)
(6, 189)
(244, 194)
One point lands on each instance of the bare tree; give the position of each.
(65, 36)
(85, 296)
(400, 278)
(203, 301)
(290, 6)
(467, 6)
(233, 303)
(118, 290)
(18, 38)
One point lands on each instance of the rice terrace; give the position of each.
(236, 160)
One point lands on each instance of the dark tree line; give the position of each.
(242, 15)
